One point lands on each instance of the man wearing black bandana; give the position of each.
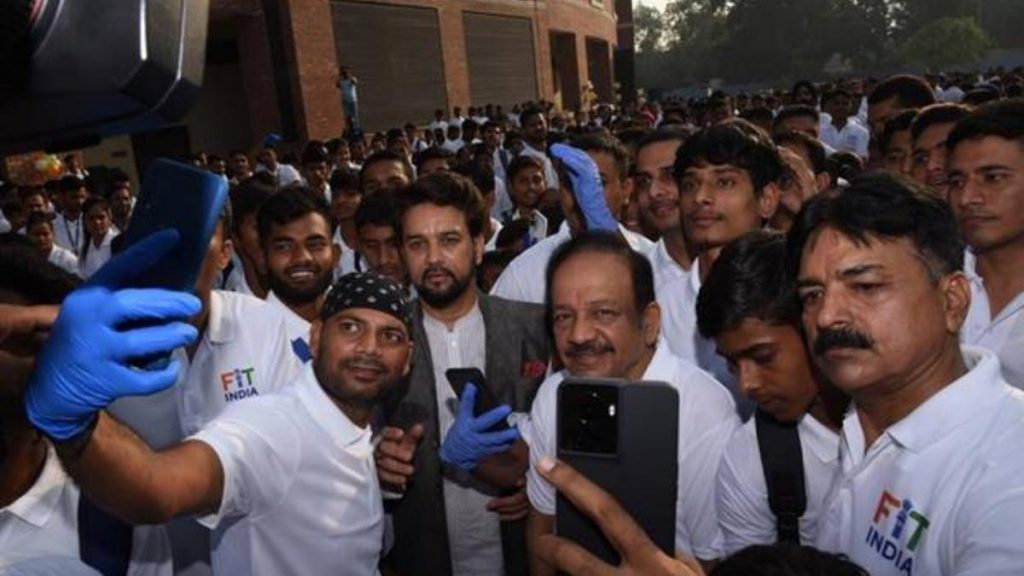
(287, 480)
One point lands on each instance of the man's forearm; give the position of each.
(119, 472)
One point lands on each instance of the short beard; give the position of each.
(443, 299)
(290, 295)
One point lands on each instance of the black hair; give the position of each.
(888, 206)
(749, 280)
(483, 178)
(795, 111)
(383, 156)
(1004, 119)
(36, 218)
(527, 112)
(70, 184)
(981, 94)
(604, 142)
(376, 210)
(26, 192)
(520, 163)
(844, 164)
(732, 143)
(511, 233)
(833, 94)
(669, 133)
(445, 189)
(815, 149)
(289, 205)
(911, 91)
(393, 135)
(434, 153)
(315, 153)
(247, 197)
(758, 114)
(898, 123)
(344, 180)
(805, 84)
(29, 274)
(786, 560)
(603, 242)
(928, 116)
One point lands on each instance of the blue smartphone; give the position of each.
(190, 200)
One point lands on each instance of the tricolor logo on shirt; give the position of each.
(238, 384)
(897, 543)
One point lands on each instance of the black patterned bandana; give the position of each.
(367, 290)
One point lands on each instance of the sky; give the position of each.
(659, 4)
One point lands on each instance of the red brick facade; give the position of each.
(309, 52)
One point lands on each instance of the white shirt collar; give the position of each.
(968, 398)
(288, 312)
(37, 505)
(218, 329)
(327, 415)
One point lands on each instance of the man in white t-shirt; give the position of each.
(986, 192)
(728, 178)
(69, 226)
(296, 230)
(289, 478)
(747, 305)
(657, 194)
(605, 324)
(928, 133)
(39, 228)
(523, 279)
(286, 174)
(931, 469)
(535, 142)
(843, 132)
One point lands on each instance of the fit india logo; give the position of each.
(238, 384)
(908, 529)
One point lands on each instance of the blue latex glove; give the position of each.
(468, 439)
(85, 364)
(586, 186)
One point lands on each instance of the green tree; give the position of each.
(946, 43)
(648, 27)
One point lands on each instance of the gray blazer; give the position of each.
(518, 350)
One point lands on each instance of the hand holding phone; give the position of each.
(471, 438)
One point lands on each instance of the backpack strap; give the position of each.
(783, 463)
(104, 542)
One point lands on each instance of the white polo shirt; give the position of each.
(940, 492)
(665, 267)
(707, 419)
(236, 281)
(852, 138)
(297, 329)
(286, 174)
(347, 262)
(678, 300)
(525, 277)
(742, 494)
(1003, 334)
(301, 494)
(43, 522)
(243, 354)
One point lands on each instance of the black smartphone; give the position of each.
(485, 400)
(179, 196)
(623, 436)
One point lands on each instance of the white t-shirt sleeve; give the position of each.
(259, 450)
(283, 367)
(989, 518)
(509, 285)
(741, 495)
(705, 425)
(542, 443)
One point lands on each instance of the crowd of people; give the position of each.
(830, 278)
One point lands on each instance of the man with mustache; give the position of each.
(931, 474)
(728, 177)
(288, 479)
(986, 192)
(295, 230)
(462, 506)
(605, 322)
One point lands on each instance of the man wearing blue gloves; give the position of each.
(597, 170)
(265, 472)
(462, 503)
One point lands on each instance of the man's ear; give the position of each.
(650, 321)
(956, 290)
(314, 337)
(823, 181)
(226, 250)
(768, 202)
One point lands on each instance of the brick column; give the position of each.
(313, 68)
